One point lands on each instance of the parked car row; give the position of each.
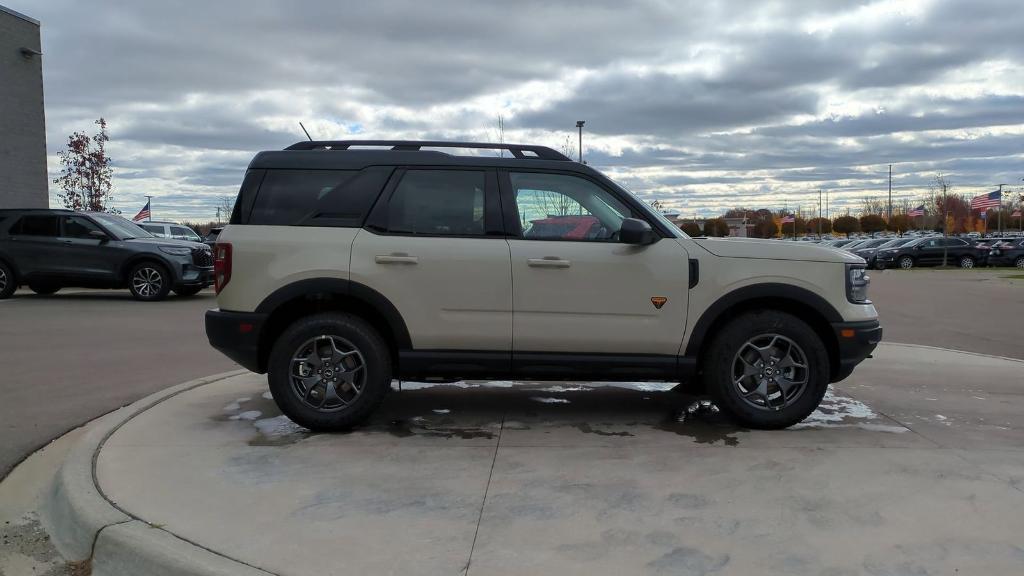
(908, 252)
(47, 250)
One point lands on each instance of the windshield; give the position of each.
(121, 227)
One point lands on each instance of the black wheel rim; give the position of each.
(3, 280)
(770, 372)
(147, 281)
(327, 373)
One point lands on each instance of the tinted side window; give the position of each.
(316, 197)
(78, 227)
(438, 202)
(36, 226)
(182, 233)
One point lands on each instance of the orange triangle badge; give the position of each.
(658, 301)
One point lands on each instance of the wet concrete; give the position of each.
(596, 479)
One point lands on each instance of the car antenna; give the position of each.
(306, 131)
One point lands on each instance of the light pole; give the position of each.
(579, 126)
(1000, 212)
(149, 200)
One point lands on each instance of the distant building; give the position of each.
(738, 227)
(23, 179)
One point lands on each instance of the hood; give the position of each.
(170, 242)
(775, 250)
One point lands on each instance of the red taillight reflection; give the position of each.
(221, 266)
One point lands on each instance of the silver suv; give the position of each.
(349, 263)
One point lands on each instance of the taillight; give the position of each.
(221, 266)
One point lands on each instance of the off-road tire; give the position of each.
(8, 283)
(364, 338)
(719, 359)
(147, 269)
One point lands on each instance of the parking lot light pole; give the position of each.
(579, 126)
(149, 202)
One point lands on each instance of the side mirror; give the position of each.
(99, 235)
(636, 231)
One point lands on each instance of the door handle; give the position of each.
(548, 262)
(396, 258)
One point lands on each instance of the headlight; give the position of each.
(176, 250)
(857, 282)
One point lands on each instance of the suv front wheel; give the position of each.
(768, 369)
(329, 371)
(149, 281)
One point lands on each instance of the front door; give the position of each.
(576, 288)
(433, 247)
(84, 255)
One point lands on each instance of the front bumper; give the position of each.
(856, 341)
(237, 336)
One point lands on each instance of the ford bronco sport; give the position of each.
(349, 263)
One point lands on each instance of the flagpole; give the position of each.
(149, 202)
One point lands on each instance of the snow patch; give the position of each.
(247, 415)
(565, 389)
(844, 412)
(549, 400)
(278, 426)
(232, 407)
(441, 411)
(268, 396)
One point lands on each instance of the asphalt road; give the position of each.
(71, 357)
(68, 358)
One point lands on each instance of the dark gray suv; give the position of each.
(51, 249)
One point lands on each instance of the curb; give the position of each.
(84, 526)
(941, 349)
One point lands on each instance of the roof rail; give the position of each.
(517, 150)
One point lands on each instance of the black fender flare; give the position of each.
(353, 290)
(795, 295)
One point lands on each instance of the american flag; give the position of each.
(787, 220)
(986, 201)
(919, 211)
(143, 214)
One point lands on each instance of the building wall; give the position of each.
(23, 179)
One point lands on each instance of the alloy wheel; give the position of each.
(906, 263)
(147, 281)
(3, 279)
(966, 262)
(328, 373)
(1019, 263)
(770, 372)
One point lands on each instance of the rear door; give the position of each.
(434, 246)
(576, 288)
(35, 246)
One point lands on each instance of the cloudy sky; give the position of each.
(703, 105)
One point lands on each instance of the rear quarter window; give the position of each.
(340, 198)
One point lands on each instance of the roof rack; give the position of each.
(518, 150)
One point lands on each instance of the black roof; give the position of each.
(340, 154)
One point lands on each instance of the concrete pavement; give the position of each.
(912, 466)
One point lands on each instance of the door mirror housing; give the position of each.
(636, 231)
(99, 235)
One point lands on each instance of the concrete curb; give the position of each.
(941, 349)
(84, 525)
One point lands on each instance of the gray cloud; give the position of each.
(684, 100)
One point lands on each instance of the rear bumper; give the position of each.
(856, 342)
(236, 335)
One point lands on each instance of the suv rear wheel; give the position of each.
(7, 282)
(768, 369)
(329, 371)
(149, 281)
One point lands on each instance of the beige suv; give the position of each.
(349, 263)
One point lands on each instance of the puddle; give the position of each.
(586, 429)
(704, 423)
(402, 428)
